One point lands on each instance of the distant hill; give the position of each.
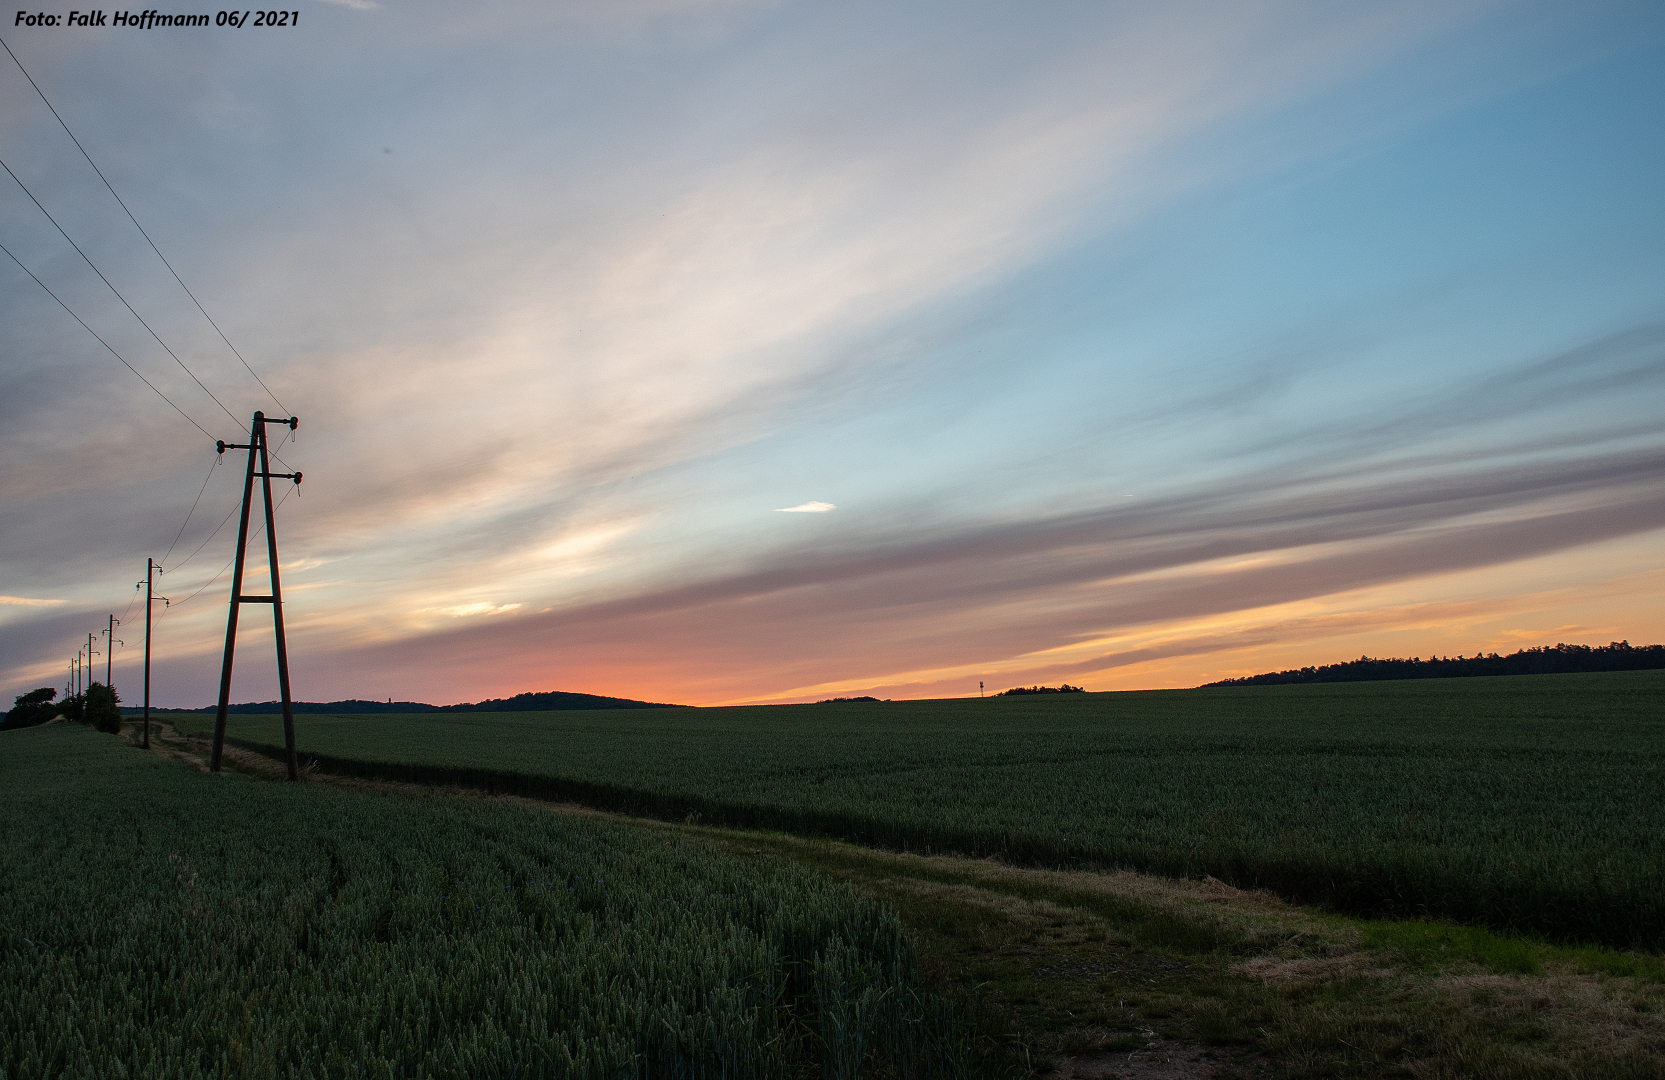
(557, 699)
(1542, 660)
(549, 701)
(274, 707)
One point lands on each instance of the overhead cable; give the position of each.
(117, 291)
(141, 229)
(227, 566)
(106, 344)
(211, 536)
(214, 465)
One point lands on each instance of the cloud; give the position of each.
(483, 608)
(24, 601)
(996, 595)
(807, 508)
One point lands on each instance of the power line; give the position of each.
(193, 509)
(142, 232)
(106, 344)
(157, 564)
(211, 580)
(211, 535)
(113, 289)
(227, 566)
(130, 603)
(218, 527)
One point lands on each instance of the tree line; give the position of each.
(1556, 659)
(98, 705)
(1066, 688)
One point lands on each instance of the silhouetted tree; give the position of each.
(35, 707)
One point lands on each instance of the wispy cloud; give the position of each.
(462, 611)
(807, 508)
(1112, 587)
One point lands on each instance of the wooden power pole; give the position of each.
(110, 647)
(151, 570)
(258, 455)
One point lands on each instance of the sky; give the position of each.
(726, 352)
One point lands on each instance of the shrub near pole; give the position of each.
(101, 708)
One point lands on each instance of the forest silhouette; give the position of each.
(1556, 659)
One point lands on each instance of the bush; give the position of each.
(102, 712)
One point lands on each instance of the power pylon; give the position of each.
(258, 454)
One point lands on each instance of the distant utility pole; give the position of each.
(90, 654)
(110, 647)
(151, 570)
(257, 448)
(979, 687)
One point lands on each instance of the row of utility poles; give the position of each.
(258, 466)
(78, 671)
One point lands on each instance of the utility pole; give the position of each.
(110, 647)
(91, 652)
(258, 454)
(151, 570)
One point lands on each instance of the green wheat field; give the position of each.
(157, 921)
(1529, 803)
(162, 923)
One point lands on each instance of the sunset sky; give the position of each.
(726, 352)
